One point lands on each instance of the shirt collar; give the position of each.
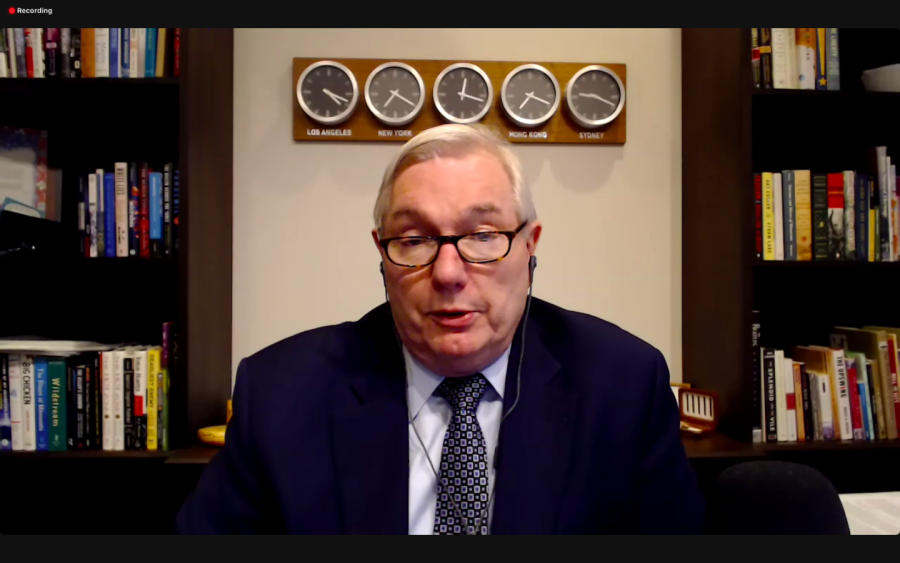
(422, 382)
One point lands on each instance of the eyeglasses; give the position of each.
(475, 248)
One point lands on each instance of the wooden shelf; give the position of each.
(196, 455)
(853, 94)
(792, 265)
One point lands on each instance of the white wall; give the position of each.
(611, 247)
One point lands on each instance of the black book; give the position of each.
(51, 52)
(807, 404)
(83, 234)
(75, 52)
(128, 399)
(876, 405)
(79, 407)
(771, 429)
(764, 36)
(176, 208)
(754, 339)
(167, 210)
(97, 397)
(5, 431)
(820, 216)
(134, 210)
(70, 405)
(89, 431)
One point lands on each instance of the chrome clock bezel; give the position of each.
(351, 106)
(396, 121)
(521, 120)
(450, 118)
(594, 123)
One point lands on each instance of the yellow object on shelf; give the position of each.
(212, 435)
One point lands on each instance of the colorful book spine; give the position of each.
(862, 217)
(88, 52)
(836, 241)
(75, 53)
(833, 68)
(93, 198)
(806, 57)
(52, 52)
(134, 69)
(874, 222)
(778, 191)
(803, 204)
(798, 401)
(118, 361)
(70, 404)
(167, 210)
(161, 42)
(29, 426)
(820, 216)
(864, 409)
(153, 371)
(768, 204)
(176, 54)
(125, 52)
(808, 425)
(109, 214)
(140, 399)
(17, 432)
(145, 211)
(821, 59)
(128, 397)
(894, 387)
(114, 52)
(850, 215)
(101, 52)
(859, 432)
(121, 207)
(106, 384)
(80, 438)
(789, 215)
(5, 419)
(150, 53)
(29, 52)
(765, 56)
(790, 400)
(42, 402)
(757, 216)
(134, 210)
(101, 212)
(56, 370)
(155, 214)
(780, 397)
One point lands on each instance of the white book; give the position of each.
(826, 413)
(118, 406)
(92, 211)
(15, 402)
(121, 209)
(101, 52)
(106, 399)
(142, 51)
(790, 400)
(4, 65)
(793, 73)
(11, 52)
(780, 65)
(806, 60)
(780, 397)
(37, 51)
(779, 216)
(849, 214)
(839, 385)
(133, 52)
(29, 422)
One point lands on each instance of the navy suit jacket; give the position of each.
(319, 443)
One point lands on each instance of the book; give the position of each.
(100, 227)
(88, 52)
(155, 214)
(41, 404)
(820, 216)
(765, 57)
(833, 64)
(849, 215)
(790, 417)
(118, 366)
(768, 202)
(840, 393)
(19, 43)
(780, 397)
(835, 183)
(52, 52)
(125, 52)
(153, 371)
(789, 215)
(806, 57)
(101, 52)
(176, 208)
(874, 344)
(884, 202)
(121, 207)
(758, 385)
(826, 413)
(821, 59)
(9, 54)
(140, 67)
(864, 408)
(70, 404)
(778, 191)
(79, 403)
(96, 401)
(769, 397)
(167, 363)
(5, 420)
(878, 429)
(90, 431)
(140, 398)
(113, 52)
(817, 359)
(176, 52)
(167, 244)
(798, 402)
(134, 210)
(128, 397)
(862, 381)
(29, 427)
(803, 204)
(109, 214)
(29, 52)
(781, 69)
(893, 336)
(56, 375)
(895, 211)
(106, 381)
(37, 39)
(808, 424)
(145, 211)
(862, 217)
(17, 431)
(814, 400)
(757, 216)
(134, 69)
(84, 239)
(65, 50)
(160, 52)
(150, 53)
(855, 406)
(75, 52)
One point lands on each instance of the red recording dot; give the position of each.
(12, 10)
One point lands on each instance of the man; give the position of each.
(443, 411)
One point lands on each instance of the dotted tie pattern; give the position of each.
(463, 460)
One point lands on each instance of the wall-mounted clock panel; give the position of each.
(463, 95)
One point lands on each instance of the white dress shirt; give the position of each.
(431, 415)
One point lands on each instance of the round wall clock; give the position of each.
(463, 93)
(327, 92)
(530, 95)
(595, 96)
(395, 93)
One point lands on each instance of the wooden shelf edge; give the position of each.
(189, 456)
(721, 446)
(791, 92)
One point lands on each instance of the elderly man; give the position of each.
(461, 406)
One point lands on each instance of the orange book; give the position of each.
(87, 52)
(798, 392)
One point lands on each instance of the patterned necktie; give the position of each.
(463, 460)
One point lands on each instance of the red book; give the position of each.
(177, 52)
(836, 216)
(29, 53)
(758, 215)
(144, 223)
(859, 432)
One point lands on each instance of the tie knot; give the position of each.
(463, 393)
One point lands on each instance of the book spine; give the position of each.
(780, 64)
(80, 439)
(41, 403)
(88, 52)
(806, 57)
(757, 216)
(70, 404)
(176, 208)
(862, 217)
(29, 428)
(849, 215)
(841, 397)
(133, 54)
(56, 372)
(863, 392)
(820, 216)
(121, 207)
(82, 229)
(90, 382)
(836, 241)
(125, 51)
(895, 392)
(790, 400)
(814, 400)
(821, 59)
(142, 51)
(29, 52)
(167, 210)
(833, 64)
(803, 203)
(826, 408)
(118, 361)
(140, 399)
(780, 397)
(887, 395)
(768, 202)
(101, 213)
(155, 214)
(4, 55)
(106, 383)
(778, 191)
(16, 408)
(113, 52)
(75, 53)
(101, 52)
(160, 70)
(884, 203)
(153, 369)
(167, 361)
(798, 402)
(109, 214)
(128, 394)
(809, 428)
(52, 52)
(758, 391)
(5, 419)
(765, 56)
(790, 215)
(134, 210)
(176, 55)
(21, 55)
(855, 407)
(65, 52)
(895, 213)
(150, 53)
(145, 211)
(873, 372)
(37, 40)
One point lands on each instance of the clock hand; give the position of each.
(393, 93)
(528, 96)
(470, 97)
(462, 92)
(538, 99)
(396, 93)
(334, 97)
(596, 97)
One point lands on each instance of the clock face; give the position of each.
(327, 92)
(595, 96)
(395, 93)
(530, 95)
(463, 93)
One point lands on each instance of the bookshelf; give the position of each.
(729, 131)
(186, 120)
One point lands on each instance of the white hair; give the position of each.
(453, 141)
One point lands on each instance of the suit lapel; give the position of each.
(534, 443)
(370, 436)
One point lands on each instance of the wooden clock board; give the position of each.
(364, 127)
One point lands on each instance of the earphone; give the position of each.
(532, 264)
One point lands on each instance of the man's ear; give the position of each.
(375, 238)
(534, 235)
